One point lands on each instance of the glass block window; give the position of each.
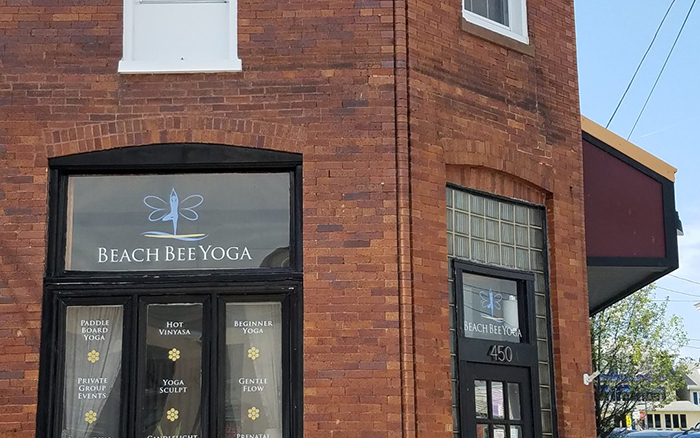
(509, 235)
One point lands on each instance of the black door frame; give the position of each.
(510, 374)
(474, 353)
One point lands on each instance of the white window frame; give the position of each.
(517, 19)
(127, 65)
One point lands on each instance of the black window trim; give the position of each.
(475, 351)
(284, 285)
(162, 159)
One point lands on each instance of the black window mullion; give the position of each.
(212, 404)
(128, 368)
(219, 363)
(489, 408)
(506, 405)
(59, 377)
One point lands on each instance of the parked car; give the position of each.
(654, 434)
(618, 432)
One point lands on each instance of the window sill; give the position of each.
(497, 38)
(152, 67)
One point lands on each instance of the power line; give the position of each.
(678, 292)
(663, 67)
(640, 64)
(684, 279)
(676, 301)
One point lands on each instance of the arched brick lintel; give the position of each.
(535, 171)
(173, 129)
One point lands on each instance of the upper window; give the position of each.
(180, 36)
(507, 17)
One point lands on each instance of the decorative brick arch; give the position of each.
(534, 170)
(173, 129)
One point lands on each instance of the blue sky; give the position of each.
(612, 36)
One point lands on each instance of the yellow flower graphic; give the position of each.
(172, 414)
(90, 416)
(174, 354)
(253, 353)
(93, 356)
(253, 413)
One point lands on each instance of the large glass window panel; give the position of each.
(173, 374)
(92, 372)
(490, 308)
(253, 370)
(178, 222)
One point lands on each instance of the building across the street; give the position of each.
(357, 219)
(683, 413)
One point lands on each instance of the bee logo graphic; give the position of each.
(171, 212)
(492, 302)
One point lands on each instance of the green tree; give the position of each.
(636, 348)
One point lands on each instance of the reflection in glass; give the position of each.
(498, 11)
(497, 402)
(92, 376)
(490, 308)
(482, 431)
(178, 221)
(481, 399)
(516, 432)
(514, 401)
(499, 431)
(253, 386)
(173, 382)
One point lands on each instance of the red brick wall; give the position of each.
(506, 123)
(317, 79)
(326, 79)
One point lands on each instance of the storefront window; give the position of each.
(93, 371)
(173, 295)
(253, 370)
(173, 370)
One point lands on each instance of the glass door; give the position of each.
(497, 401)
